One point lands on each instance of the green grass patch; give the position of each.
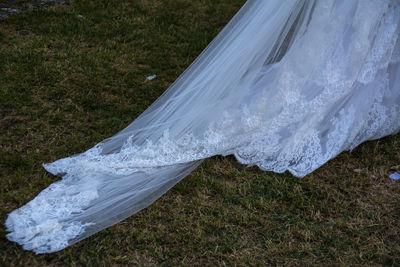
(67, 83)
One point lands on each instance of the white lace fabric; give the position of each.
(286, 86)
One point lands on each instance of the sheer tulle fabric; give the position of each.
(287, 85)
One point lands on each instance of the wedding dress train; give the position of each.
(287, 85)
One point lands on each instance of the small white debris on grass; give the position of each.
(395, 176)
(80, 16)
(149, 78)
(11, 10)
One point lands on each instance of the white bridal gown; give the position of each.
(287, 85)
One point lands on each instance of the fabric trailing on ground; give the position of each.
(286, 85)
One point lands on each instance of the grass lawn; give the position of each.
(69, 81)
